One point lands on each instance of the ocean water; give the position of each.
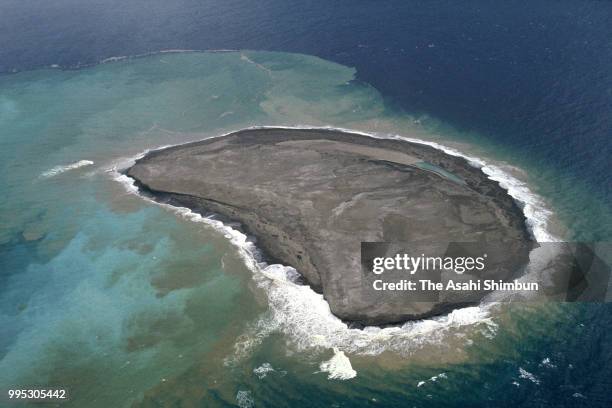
(531, 78)
(124, 301)
(129, 303)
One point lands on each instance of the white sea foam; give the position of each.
(433, 379)
(528, 376)
(127, 182)
(305, 317)
(114, 59)
(533, 206)
(61, 169)
(123, 163)
(263, 370)
(547, 363)
(338, 367)
(245, 399)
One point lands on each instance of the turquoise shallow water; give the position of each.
(123, 301)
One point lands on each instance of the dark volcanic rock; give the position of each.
(312, 196)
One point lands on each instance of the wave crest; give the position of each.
(61, 169)
(304, 315)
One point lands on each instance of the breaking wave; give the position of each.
(305, 317)
(61, 169)
(338, 367)
(533, 206)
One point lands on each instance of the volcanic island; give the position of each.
(310, 197)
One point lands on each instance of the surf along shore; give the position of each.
(311, 196)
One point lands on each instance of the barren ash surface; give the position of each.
(311, 196)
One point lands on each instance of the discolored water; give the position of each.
(126, 302)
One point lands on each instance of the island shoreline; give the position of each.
(206, 207)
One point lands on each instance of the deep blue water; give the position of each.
(534, 76)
